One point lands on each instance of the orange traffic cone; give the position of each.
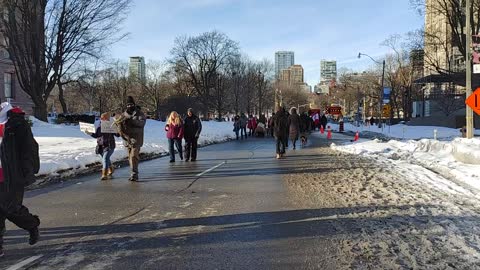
(329, 133)
(357, 136)
(322, 130)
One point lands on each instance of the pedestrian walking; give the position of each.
(131, 125)
(280, 124)
(20, 162)
(324, 121)
(294, 126)
(286, 130)
(105, 147)
(252, 125)
(270, 125)
(174, 129)
(192, 130)
(236, 126)
(243, 125)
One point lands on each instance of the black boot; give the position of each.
(34, 236)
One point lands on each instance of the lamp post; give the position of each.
(381, 90)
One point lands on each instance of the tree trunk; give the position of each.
(40, 111)
(61, 97)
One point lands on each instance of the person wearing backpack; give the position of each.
(20, 162)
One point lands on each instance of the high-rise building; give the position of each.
(292, 75)
(283, 60)
(328, 71)
(296, 74)
(137, 68)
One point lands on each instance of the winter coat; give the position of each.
(280, 125)
(192, 128)
(252, 123)
(18, 153)
(323, 120)
(131, 128)
(174, 131)
(294, 126)
(262, 119)
(243, 121)
(106, 141)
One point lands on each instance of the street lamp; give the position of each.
(381, 90)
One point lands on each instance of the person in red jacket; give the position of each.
(252, 125)
(174, 129)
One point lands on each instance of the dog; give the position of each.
(304, 140)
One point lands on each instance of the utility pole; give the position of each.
(469, 67)
(381, 96)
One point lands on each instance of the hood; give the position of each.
(5, 107)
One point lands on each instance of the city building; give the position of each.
(328, 71)
(10, 88)
(283, 60)
(292, 75)
(137, 68)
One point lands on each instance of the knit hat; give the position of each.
(130, 100)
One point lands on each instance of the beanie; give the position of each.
(130, 100)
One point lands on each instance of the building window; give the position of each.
(8, 86)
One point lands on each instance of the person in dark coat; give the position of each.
(243, 125)
(372, 121)
(280, 124)
(105, 147)
(294, 126)
(236, 126)
(192, 129)
(131, 125)
(262, 119)
(271, 125)
(324, 121)
(287, 129)
(20, 162)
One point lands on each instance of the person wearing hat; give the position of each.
(20, 162)
(131, 126)
(192, 129)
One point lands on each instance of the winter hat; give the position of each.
(4, 108)
(190, 110)
(130, 100)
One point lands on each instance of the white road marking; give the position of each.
(24, 262)
(211, 169)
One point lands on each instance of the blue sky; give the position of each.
(313, 29)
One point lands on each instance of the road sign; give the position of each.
(386, 110)
(473, 101)
(386, 95)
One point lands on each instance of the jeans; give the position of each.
(243, 132)
(11, 208)
(171, 149)
(107, 153)
(134, 159)
(191, 149)
(280, 143)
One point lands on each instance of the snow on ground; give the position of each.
(456, 159)
(405, 132)
(65, 147)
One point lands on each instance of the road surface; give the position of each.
(239, 208)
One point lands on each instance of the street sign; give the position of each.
(386, 95)
(476, 68)
(386, 110)
(473, 101)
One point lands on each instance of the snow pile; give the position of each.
(66, 148)
(457, 160)
(405, 132)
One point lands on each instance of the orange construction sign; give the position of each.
(473, 101)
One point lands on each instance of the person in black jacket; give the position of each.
(105, 147)
(20, 162)
(280, 125)
(192, 129)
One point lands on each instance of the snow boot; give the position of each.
(104, 175)
(34, 236)
(110, 171)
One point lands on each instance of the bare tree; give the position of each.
(203, 58)
(45, 39)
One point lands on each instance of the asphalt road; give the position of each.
(228, 210)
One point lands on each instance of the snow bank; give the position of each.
(405, 132)
(66, 148)
(457, 160)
